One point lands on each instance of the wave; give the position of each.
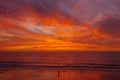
(81, 66)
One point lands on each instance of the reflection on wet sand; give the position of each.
(39, 74)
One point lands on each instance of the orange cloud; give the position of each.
(53, 28)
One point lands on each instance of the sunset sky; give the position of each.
(59, 25)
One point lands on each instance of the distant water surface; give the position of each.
(58, 58)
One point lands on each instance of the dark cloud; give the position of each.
(110, 26)
(61, 10)
(12, 8)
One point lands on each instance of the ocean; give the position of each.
(60, 65)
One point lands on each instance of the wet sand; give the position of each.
(54, 74)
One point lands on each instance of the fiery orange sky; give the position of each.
(59, 25)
